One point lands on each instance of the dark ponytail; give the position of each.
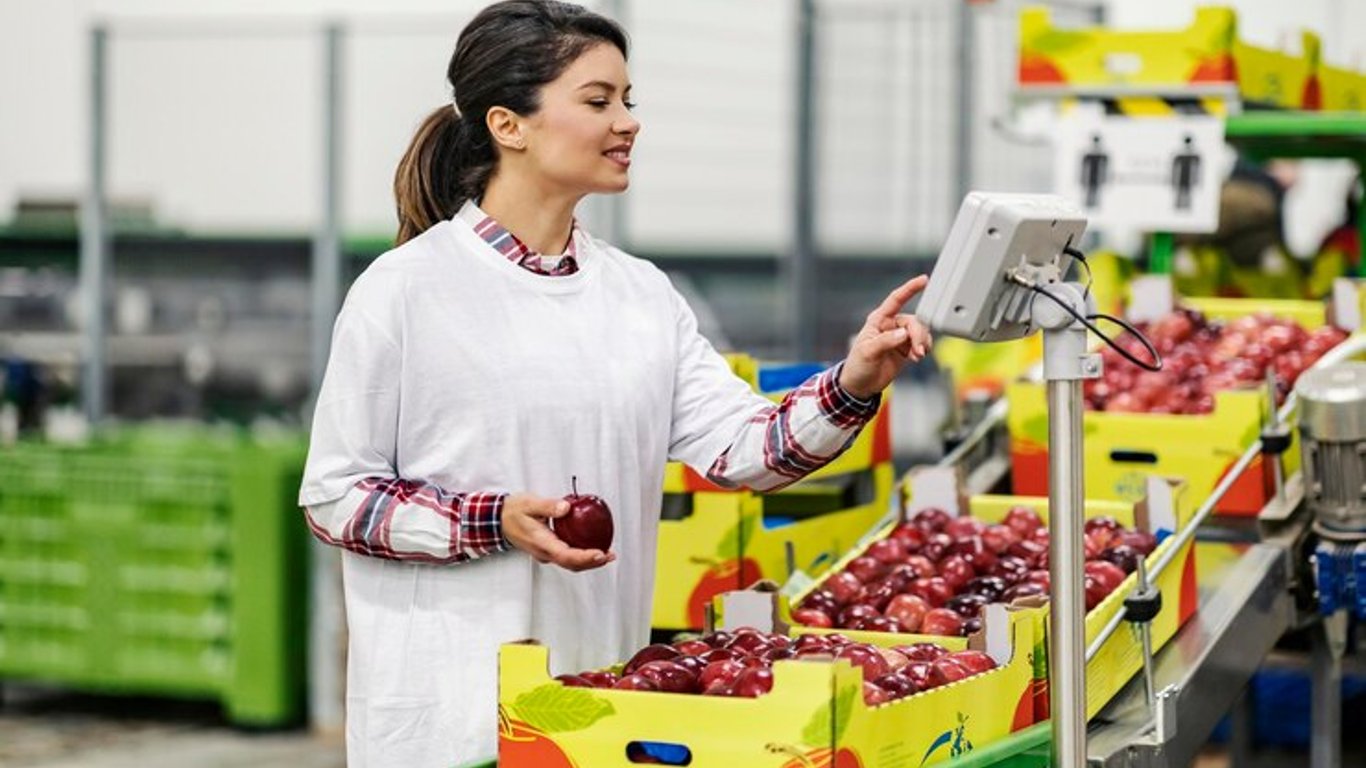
(502, 59)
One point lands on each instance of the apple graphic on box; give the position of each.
(587, 524)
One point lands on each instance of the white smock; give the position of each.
(452, 365)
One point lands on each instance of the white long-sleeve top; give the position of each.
(457, 377)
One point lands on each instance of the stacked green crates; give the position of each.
(160, 562)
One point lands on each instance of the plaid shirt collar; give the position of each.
(518, 252)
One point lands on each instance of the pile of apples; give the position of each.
(740, 664)
(1201, 357)
(933, 573)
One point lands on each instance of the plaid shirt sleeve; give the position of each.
(407, 520)
(783, 443)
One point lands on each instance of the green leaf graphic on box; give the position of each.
(733, 544)
(555, 708)
(818, 730)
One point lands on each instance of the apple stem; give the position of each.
(574, 485)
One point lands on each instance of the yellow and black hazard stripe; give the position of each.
(1164, 106)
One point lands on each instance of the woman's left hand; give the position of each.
(888, 341)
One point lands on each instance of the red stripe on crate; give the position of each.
(1189, 592)
(882, 436)
(1248, 494)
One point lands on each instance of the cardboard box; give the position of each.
(1206, 53)
(814, 716)
(712, 540)
(1165, 509)
(1122, 449)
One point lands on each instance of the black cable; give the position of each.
(1081, 257)
(1085, 320)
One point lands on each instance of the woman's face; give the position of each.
(580, 139)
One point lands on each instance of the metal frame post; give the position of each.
(963, 117)
(326, 627)
(1066, 363)
(801, 266)
(94, 233)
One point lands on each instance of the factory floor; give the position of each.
(49, 728)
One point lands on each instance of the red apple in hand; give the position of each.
(587, 524)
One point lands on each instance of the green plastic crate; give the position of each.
(158, 561)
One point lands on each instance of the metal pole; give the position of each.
(1067, 604)
(327, 622)
(1325, 714)
(95, 236)
(963, 116)
(802, 266)
(618, 206)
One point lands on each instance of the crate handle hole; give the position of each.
(1134, 457)
(658, 753)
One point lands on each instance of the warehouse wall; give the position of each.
(219, 130)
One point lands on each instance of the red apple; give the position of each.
(918, 672)
(725, 671)
(874, 694)
(946, 670)
(655, 652)
(935, 590)
(1023, 589)
(718, 639)
(890, 551)
(909, 610)
(574, 681)
(718, 654)
(810, 617)
(964, 527)
(753, 683)
(600, 679)
(749, 641)
(967, 605)
(956, 571)
(1122, 555)
(895, 659)
(990, 587)
(897, 686)
(1142, 541)
(819, 643)
(909, 535)
(998, 538)
(692, 647)
(843, 586)
(936, 546)
(921, 567)
(931, 519)
(974, 661)
(942, 621)
(1022, 520)
(587, 524)
(867, 657)
(636, 683)
(922, 651)
(669, 677)
(877, 624)
(854, 614)
(866, 569)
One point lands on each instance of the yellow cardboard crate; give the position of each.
(725, 543)
(1208, 52)
(712, 540)
(814, 716)
(1122, 449)
(1166, 508)
(1343, 89)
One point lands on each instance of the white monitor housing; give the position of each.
(999, 241)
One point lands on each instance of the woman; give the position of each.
(472, 377)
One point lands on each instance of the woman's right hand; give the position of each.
(525, 525)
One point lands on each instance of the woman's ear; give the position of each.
(505, 126)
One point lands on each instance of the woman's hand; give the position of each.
(525, 527)
(886, 343)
